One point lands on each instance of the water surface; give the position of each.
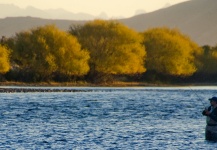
(106, 118)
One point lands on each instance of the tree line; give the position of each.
(105, 51)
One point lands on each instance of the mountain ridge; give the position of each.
(195, 18)
(10, 10)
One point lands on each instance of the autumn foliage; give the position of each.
(45, 51)
(114, 48)
(4, 60)
(102, 51)
(170, 52)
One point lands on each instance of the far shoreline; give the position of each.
(113, 84)
(20, 87)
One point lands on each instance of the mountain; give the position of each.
(10, 10)
(195, 18)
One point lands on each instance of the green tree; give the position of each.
(114, 48)
(4, 59)
(47, 50)
(169, 52)
(208, 60)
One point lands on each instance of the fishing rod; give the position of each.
(198, 97)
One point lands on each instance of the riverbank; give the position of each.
(20, 87)
(113, 84)
(41, 90)
(78, 84)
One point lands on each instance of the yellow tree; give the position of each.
(170, 52)
(4, 60)
(47, 50)
(114, 48)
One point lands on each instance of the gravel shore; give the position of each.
(32, 90)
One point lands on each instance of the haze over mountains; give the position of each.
(195, 18)
(10, 10)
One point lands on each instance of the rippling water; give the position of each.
(107, 118)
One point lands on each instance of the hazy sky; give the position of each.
(112, 8)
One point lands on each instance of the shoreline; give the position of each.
(79, 84)
(20, 87)
(114, 84)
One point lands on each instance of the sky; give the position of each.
(113, 8)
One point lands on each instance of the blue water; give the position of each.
(106, 119)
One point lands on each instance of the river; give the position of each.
(151, 118)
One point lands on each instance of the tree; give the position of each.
(114, 48)
(47, 50)
(169, 52)
(4, 59)
(209, 60)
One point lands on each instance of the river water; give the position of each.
(155, 118)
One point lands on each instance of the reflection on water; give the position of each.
(107, 118)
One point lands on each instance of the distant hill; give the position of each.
(12, 25)
(195, 18)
